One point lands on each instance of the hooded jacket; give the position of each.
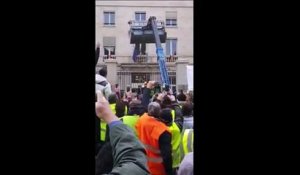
(103, 85)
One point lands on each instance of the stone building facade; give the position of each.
(112, 32)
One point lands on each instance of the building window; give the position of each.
(171, 19)
(109, 45)
(171, 46)
(140, 77)
(140, 16)
(109, 50)
(109, 18)
(172, 76)
(173, 80)
(171, 22)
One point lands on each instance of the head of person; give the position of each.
(112, 98)
(165, 116)
(155, 96)
(190, 97)
(181, 96)
(133, 90)
(122, 94)
(117, 85)
(159, 98)
(120, 108)
(154, 109)
(187, 109)
(166, 102)
(103, 72)
(104, 160)
(136, 108)
(144, 85)
(127, 88)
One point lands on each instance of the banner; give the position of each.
(190, 77)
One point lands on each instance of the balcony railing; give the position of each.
(142, 59)
(171, 58)
(105, 57)
(140, 24)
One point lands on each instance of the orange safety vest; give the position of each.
(149, 130)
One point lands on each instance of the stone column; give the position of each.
(181, 74)
(111, 71)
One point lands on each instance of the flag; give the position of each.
(136, 52)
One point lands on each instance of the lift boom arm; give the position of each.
(160, 54)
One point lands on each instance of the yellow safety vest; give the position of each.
(103, 125)
(113, 108)
(130, 120)
(102, 130)
(187, 142)
(173, 114)
(176, 139)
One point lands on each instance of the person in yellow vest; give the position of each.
(136, 109)
(175, 129)
(103, 132)
(112, 100)
(188, 119)
(120, 108)
(128, 154)
(167, 100)
(104, 129)
(187, 142)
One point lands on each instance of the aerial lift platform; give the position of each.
(151, 31)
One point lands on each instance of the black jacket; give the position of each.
(166, 151)
(146, 97)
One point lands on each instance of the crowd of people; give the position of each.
(143, 132)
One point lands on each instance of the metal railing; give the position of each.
(139, 24)
(105, 57)
(142, 59)
(171, 58)
(124, 78)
